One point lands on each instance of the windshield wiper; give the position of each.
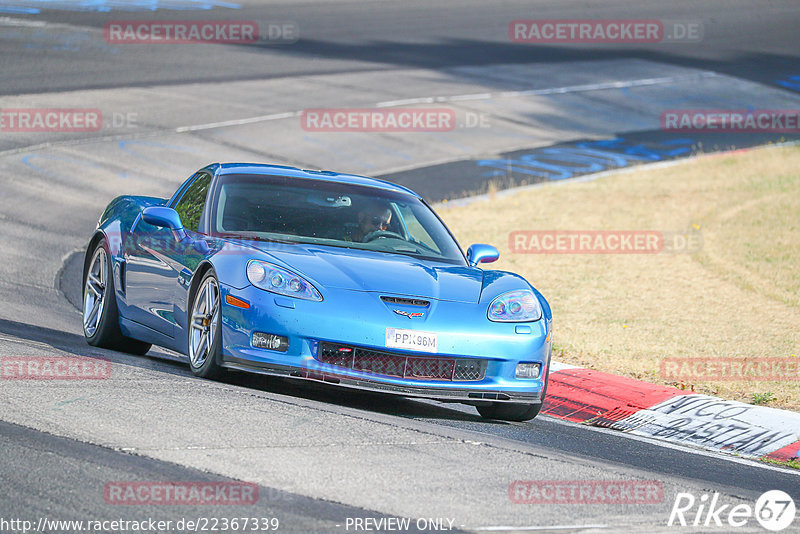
(422, 245)
(258, 238)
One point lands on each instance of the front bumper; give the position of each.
(360, 319)
(466, 395)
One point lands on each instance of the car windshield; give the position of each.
(298, 210)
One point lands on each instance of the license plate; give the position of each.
(399, 338)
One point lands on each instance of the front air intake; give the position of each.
(406, 301)
(402, 366)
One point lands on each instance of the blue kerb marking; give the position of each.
(792, 83)
(560, 163)
(32, 7)
(18, 10)
(27, 161)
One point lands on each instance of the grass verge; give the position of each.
(794, 464)
(736, 297)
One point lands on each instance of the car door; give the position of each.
(156, 262)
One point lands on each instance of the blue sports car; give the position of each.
(321, 276)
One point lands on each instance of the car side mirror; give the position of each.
(480, 253)
(164, 217)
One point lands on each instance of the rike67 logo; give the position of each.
(774, 510)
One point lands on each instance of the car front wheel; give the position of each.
(509, 412)
(205, 330)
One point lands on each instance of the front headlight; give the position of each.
(515, 306)
(272, 278)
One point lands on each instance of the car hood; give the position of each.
(389, 274)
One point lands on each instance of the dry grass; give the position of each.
(738, 297)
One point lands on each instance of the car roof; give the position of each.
(328, 176)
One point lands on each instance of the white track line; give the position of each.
(642, 82)
(238, 122)
(28, 342)
(530, 528)
(22, 23)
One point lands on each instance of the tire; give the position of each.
(514, 412)
(509, 412)
(100, 313)
(205, 329)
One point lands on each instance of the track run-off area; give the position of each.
(322, 458)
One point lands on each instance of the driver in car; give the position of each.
(373, 218)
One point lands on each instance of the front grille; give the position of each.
(400, 365)
(469, 369)
(406, 301)
(380, 363)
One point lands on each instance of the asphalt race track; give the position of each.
(322, 457)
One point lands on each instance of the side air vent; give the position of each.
(122, 279)
(408, 302)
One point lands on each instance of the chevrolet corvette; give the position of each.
(321, 276)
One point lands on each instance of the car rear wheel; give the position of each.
(100, 313)
(205, 330)
(509, 412)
